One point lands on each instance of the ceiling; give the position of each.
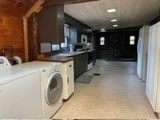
(130, 13)
(15, 7)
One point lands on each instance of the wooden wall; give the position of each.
(11, 24)
(11, 33)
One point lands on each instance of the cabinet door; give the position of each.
(80, 64)
(70, 81)
(51, 24)
(60, 23)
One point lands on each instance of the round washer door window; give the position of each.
(54, 88)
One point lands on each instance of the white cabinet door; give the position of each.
(153, 62)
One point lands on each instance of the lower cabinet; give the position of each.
(92, 57)
(80, 64)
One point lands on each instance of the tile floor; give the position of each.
(116, 94)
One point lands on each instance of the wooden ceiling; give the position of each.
(57, 2)
(20, 7)
(130, 13)
(15, 7)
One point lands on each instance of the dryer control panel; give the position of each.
(56, 68)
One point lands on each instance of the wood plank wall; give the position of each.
(11, 33)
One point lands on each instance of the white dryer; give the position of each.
(51, 86)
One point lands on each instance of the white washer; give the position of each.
(19, 92)
(51, 86)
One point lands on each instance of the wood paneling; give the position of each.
(11, 24)
(15, 7)
(11, 34)
(33, 44)
(58, 2)
(129, 13)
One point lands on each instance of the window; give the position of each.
(132, 40)
(64, 45)
(55, 47)
(102, 40)
(66, 30)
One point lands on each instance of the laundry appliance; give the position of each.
(51, 86)
(20, 92)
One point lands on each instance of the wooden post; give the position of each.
(36, 8)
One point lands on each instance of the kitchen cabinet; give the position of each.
(92, 57)
(80, 64)
(51, 24)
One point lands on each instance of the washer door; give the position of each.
(54, 88)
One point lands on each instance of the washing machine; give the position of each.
(51, 86)
(20, 92)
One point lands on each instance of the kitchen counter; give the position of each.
(55, 58)
(80, 61)
(71, 54)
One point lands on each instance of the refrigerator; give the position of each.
(142, 52)
(153, 68)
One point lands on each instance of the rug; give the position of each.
(84, 79)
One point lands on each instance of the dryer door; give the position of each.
(54, 88)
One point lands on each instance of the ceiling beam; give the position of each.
(58, 2)
(35, 8)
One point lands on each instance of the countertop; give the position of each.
(71, 54)
(55, 58)
(62, 57)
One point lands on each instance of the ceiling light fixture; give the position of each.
(111, 10)
(114, 20)
(115, 25)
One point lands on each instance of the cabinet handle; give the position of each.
(67, 79)
(70, 66)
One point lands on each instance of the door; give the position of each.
(54, 89)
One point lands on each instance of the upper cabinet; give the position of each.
(51, 24)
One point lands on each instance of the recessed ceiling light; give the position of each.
(115, 25)
(114, 20)
(111, 10)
